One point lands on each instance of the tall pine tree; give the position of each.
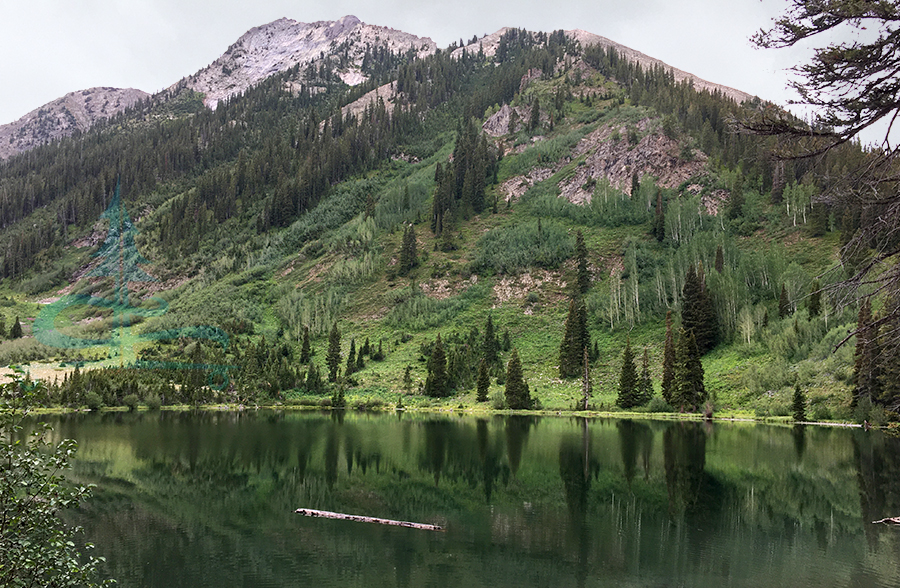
(697, 311)
(437, 382)
(333, 357)
(689, 388)
(628, 379)
(517, 394)
(668, 371)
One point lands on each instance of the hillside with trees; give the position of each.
(516, 230)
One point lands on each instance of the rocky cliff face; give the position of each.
(75, 111)
(284, 43)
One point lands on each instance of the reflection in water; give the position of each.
(517, 428)
(684, 448)
(799, 434)
(635, 438)
(206, 499)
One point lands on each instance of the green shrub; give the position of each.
(93, 401)
(516, 248)
(659, 404)
(153, 402)
(131, 401)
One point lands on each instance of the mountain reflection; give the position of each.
(206, 499)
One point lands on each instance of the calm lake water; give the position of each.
(208, 499)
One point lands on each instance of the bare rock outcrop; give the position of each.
(76, 111)
(280, 45)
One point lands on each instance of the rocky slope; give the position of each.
(75, 111)
(489, 45)
(284, 43)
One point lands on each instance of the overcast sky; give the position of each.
(51, 47)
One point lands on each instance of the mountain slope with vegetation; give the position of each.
(552, 202)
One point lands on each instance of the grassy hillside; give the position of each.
(275, 216)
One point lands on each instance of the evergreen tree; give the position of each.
(333, 357)
(575, 340)
(659, 219)
(314, 384)
(689, 389)
(517, 395)
(15, 331)
(587, 387)
(697, 311)
(490, 347)
(815, 299)
(408, 254)
(628, 380)
(889, 373)
(799, 404)
(583, 280)
(305, 351)
(866, 369)
(784, 305)
(720, 259)
(484, 382)
(635, 185)
(407, 381)
(668, 371)
(366, 349)
(645, 384)
(2, 327)
(535, 120)
(436, 383)
(351, 359)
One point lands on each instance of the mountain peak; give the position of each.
(279, 45)
(76, 111)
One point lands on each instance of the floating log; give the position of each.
(324, 514)
(888, 521)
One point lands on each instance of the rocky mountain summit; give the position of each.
(76, 111)
(284, 43)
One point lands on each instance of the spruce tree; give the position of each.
(668, 371)
(305, 351)
(575, 340)
(517, 395)
(628, 380)
(697, 311)
(408, 255)
(659, 219)
(720, 259)
(333, 357)
(583, 280)
(436, 382)
(351, 359)
(799, 404)
(484, 382)
(587, 387)
(2, 327)
(815, 299)
(645, 384)
(784, 305)
(490, 347)
(865, 367)
(689, 389)
(15, 331)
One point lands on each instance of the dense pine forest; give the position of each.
(547, 227)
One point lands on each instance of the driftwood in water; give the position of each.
(324, 514)
(888, 521)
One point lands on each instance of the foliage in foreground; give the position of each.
(36, 547)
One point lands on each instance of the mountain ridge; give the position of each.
(273, 48)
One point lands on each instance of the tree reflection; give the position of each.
(684, 447)
(878, 471)
(517, 429)
(634, 438)
(576, 468)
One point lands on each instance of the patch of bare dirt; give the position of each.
(443, 288)
(518, 287)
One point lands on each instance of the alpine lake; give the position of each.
(207, 498)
